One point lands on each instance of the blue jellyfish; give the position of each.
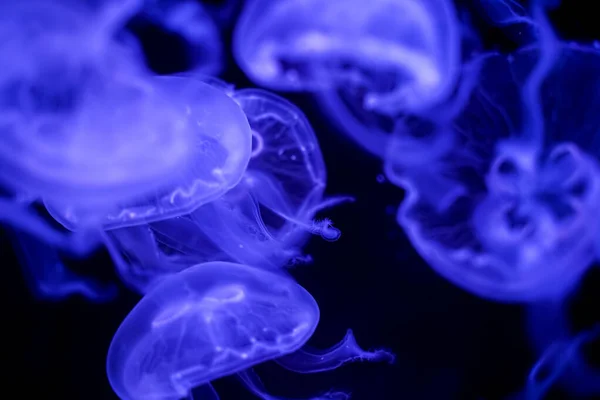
(62, 142)
(218, 156)
(366, 61)
(217, 319)
(48, 277)
(563, 362)
(209, 321)
(263, 221)
(504, 208)
(189, 19)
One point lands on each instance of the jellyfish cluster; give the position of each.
(205, 193)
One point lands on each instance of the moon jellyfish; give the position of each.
(505, 210)
(47, 276)
(263, 221)
(190, 20)
(62, 142)
(209, 321)
(366, 67)
(218, 156)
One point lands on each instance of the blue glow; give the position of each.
(209, 321)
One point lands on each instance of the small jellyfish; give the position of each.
(505, 208)
(365, 68)
(189, 19)
(209, 321)
(263, 221)
(218, 157)
(48, 278)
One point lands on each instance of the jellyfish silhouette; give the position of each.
(263, 221)
(504, 208)
(219, 154)
(392, 56)
(209, 321)
(189, 19)
(217, 319)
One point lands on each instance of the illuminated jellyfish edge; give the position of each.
(117, 352)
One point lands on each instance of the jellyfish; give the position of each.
(365, 67)
(263, 221)
(505, 209)
(48, 277)
(189, 19)
(62, 142)
(208, 321)
(219, 154)
(217, 319)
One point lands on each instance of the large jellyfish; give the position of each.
(263, 221)
(507, 210)
(62, 142)
(189, 19)
(386, 56)
(217, 157)
(214, 320)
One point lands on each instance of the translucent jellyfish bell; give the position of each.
(209, 321)
(79, 122)
(218, 155)
(506, 210)
(403, 54)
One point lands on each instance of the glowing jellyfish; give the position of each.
(392, 56)
(80, 123)
(47, 276)
(506, 209)
(206, 322)
(189, 19)
(217, 157)
(263, 221)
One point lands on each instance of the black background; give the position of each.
(449, 344)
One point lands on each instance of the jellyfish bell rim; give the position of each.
(144, 214)
(119, 358)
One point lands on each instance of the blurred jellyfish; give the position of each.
(505, 208)
(564, 360)
(366, 67)
(48, 278)
(209, 321)
(263, 221)
(189, 19)
(61, 141)
(218, 155)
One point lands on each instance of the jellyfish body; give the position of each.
(263, 221)
(61, 140)
(502, 212)
(209, 321)
(393, 56)
(190, 20)
(218, 157)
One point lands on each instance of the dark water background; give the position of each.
(449, 344)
